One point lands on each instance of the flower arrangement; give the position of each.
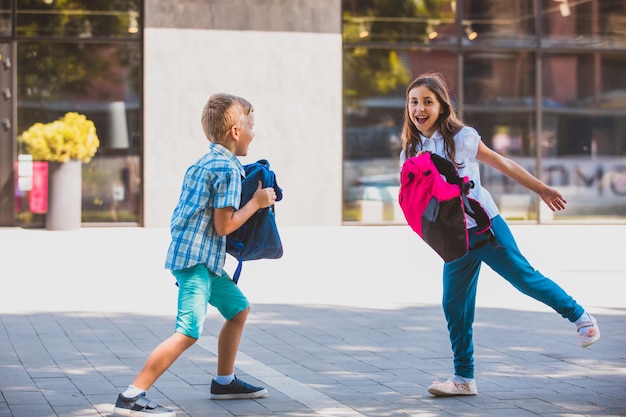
(71, 137)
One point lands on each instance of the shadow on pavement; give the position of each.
(373, 362)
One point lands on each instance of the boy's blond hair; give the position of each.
(222, 112)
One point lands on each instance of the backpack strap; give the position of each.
(471, 206)
(448, 170)
(237, 273)
(271, 182)
(491, 238)
(476, 211)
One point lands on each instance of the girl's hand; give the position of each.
(553, 199)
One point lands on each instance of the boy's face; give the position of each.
(246, 134)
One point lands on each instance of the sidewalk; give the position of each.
(347, 324)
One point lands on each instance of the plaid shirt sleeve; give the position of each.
(212, 182)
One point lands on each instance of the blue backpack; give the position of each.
(258, 237)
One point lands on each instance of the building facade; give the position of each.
(540, 80)
(327, 80)
(285, 57)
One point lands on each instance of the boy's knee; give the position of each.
(241, 316)
(183, 339)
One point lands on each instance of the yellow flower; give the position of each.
(71, 137)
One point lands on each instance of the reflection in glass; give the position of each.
(587, 157)
(78, 18)
(102, 82)
(501, 23)
(499, 79)
(372, 129)
(5, 18)
(552, 98)
(399, 22)
(584, 23)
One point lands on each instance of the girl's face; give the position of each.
(424, 110)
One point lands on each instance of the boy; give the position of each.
(207, 211)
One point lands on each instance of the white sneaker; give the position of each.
(450, 388)
(591, 334)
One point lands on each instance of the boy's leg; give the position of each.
(227, 297)
(161, 358)
(193, 294)
(192, 306)
(234, 307)
(228, 342)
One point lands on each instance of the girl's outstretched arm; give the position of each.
(517, 173)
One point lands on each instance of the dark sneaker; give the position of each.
(236, 390)
(140, 406)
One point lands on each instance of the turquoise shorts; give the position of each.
(199, 287)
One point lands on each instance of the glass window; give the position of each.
(399, 22)
(542, 82)
(584, 24)
(591, 93)
(499, 80)
(5, 17)
(78, 18)
(83, 56)
(585, 137)
(101, 81)
(501, 23)
(499, 101)
(373, 113)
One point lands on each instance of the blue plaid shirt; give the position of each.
(214, 181)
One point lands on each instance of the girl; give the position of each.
(431, 125)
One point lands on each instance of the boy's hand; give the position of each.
(226, 220)
(264, 197)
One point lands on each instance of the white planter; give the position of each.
(64, 195)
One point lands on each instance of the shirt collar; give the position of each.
(435, 136)
(222, 150)
(430, 143)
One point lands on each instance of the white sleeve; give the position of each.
(466, 142)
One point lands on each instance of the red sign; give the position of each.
(38, 201)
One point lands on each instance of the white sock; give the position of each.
(582, 318)
(225, 379)
(457, 379)
(132, 391)
(585, 317)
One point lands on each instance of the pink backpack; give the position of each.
(434, 201)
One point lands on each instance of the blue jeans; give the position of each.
(460, 279)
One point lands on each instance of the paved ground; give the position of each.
(346, 324)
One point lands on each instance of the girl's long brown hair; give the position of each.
(448, 123)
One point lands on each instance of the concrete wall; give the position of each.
(282, 55)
